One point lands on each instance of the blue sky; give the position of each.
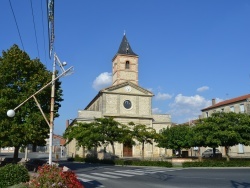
(190, 51)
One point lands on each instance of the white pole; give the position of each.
(26, 153)
(52, 112)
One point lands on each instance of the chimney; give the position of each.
(67, 123)
(213, 102)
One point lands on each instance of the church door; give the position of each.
(127, 150)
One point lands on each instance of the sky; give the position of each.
(190, 51)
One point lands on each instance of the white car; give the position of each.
(209, 153)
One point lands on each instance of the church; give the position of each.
(126, 102)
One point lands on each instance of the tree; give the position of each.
(100, 132)
(21, 77)
(112, 131)
(223, 129)
(86, 134)
(144, 135)
(203, 136)
(176, 138)
(241, 125)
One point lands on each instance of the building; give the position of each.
(239, 104)
(58, 144)
(126, 101)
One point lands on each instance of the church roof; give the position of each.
(125, 48)
(114, 87)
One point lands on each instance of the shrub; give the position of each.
(53, 176)
(12, 174)
(78, 158)
(70, 159)
(218, 163)
(91, 160)
(144, 163)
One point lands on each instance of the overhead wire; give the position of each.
(47, 2)
(50, 14)
(34, 28)
(16, 24)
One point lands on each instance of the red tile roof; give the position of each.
(59, 137)
(229, 101)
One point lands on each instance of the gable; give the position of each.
(127, 88)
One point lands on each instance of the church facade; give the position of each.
(126, 102)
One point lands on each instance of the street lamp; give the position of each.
(11, 112)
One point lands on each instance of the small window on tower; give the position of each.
(127, 65)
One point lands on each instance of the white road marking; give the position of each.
(131, 172)
(91, 177)
(105, 175)
(113, 173)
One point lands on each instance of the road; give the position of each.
(108, 176)
(93, 176)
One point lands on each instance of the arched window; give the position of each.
(127, 65)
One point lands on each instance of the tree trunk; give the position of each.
(214, 154)
(113, 148)
(15, 156)
(199, 155)
(142, 150)
(226, 152)
(83, 152)
(179, 152)
(33, 147)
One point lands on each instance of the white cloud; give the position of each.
(203, 88)
(191, 101)
(217, 100)
(185, 108)
(162, 96)
(102, 81)
(156, 111)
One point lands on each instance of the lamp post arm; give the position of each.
(38, 105)
(43, 87)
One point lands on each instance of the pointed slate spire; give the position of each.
(125, 47)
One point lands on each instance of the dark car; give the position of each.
(8, 160)
(33, 164)
(209, 153)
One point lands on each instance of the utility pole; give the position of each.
(52, 104)
(52, 101)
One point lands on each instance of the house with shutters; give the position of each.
(239, 104)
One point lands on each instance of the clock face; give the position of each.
(128, 88)
(127, 104)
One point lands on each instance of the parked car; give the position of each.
(8, 160)
(33, 164)
(209, 153)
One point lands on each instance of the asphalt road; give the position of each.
(108, 176)
(93, 176)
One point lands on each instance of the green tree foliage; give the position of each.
(100, 132)
(112, 131)
(222, 129)
(176, 137)
(21, 77)
(144, 135)
(86, 134)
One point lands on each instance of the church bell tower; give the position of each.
(125, 64)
